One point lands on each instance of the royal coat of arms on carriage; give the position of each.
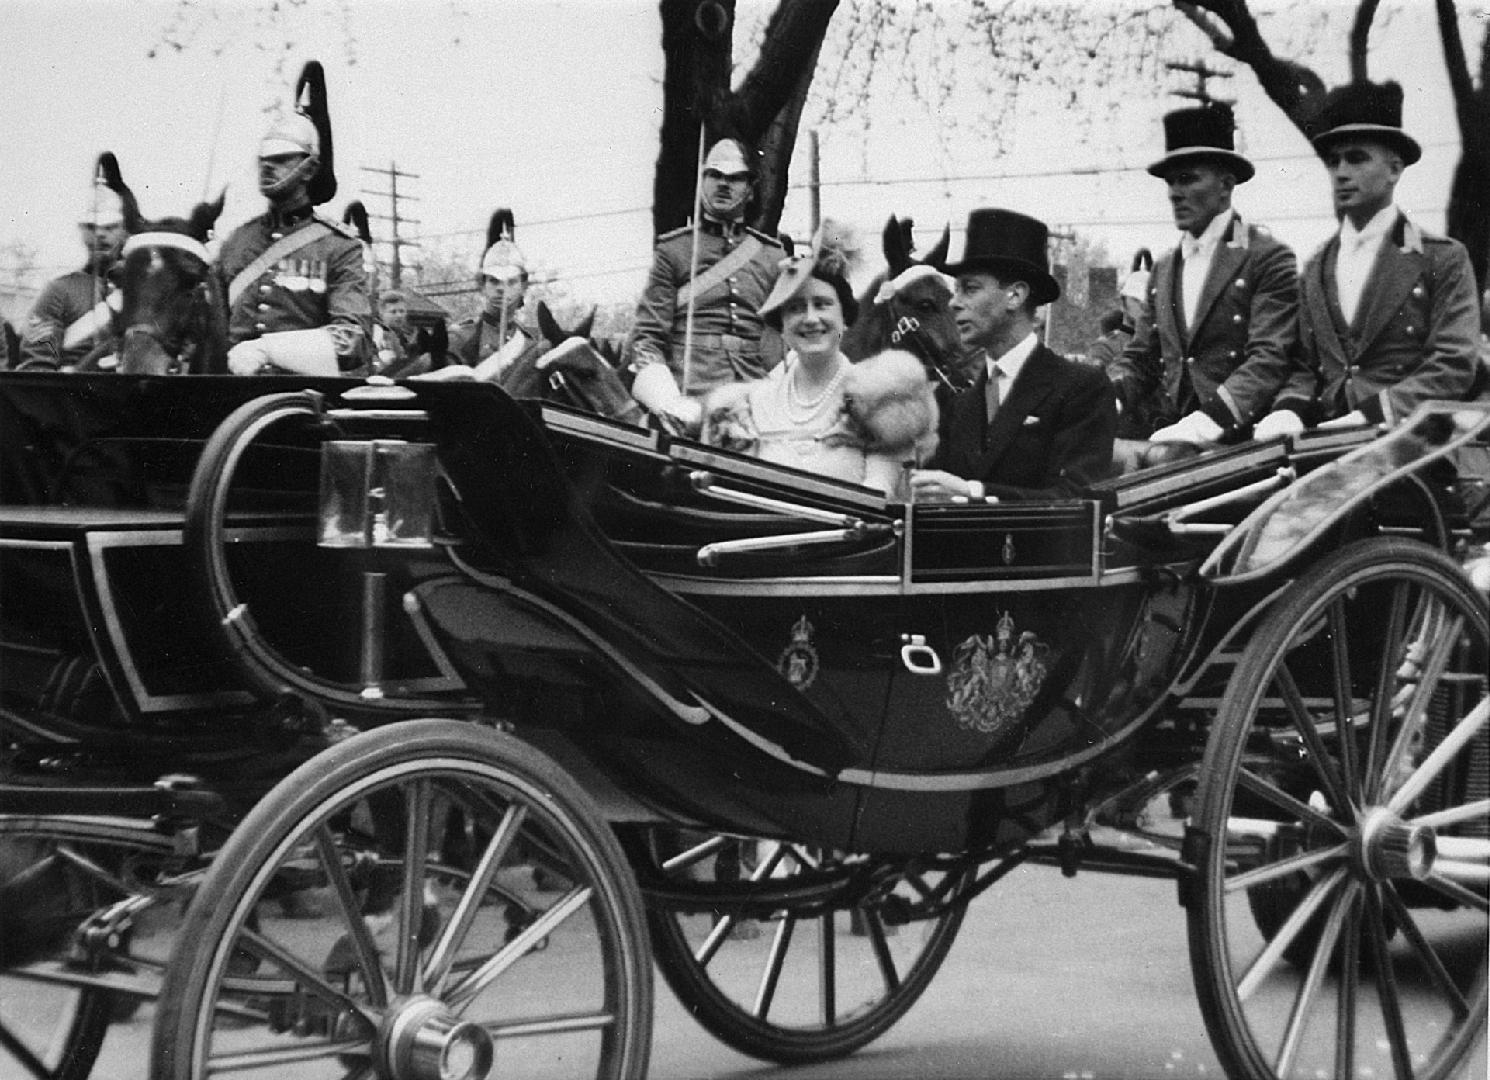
(995, 678)
(798, 661)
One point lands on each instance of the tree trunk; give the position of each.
(696, 47)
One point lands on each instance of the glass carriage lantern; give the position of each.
(377, 493)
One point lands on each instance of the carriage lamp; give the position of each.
(377, 493)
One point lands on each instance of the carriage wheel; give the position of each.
(1338, 909)
(390, 963)
(48, 1030)
(801, 983)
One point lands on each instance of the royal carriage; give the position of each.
(396, 730)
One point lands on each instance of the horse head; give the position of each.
(907, 308)
(575, 370)
(173, 317)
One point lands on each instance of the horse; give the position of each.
(174, 317)
(907, 308)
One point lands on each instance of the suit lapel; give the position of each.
(1229, 256)
(1393, 274)
(966, 423)
(1319, 288)
(1036, 379)
(1169, 316)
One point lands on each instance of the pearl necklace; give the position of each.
(799, 411)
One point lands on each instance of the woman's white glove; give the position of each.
(1354, 418)
(1280, 422)
(305, 352)
(656, 388)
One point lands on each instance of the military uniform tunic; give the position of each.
(62, 302)
(321, 284)
(727, 327)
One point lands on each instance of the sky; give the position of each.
(551, 107)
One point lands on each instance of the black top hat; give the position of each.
(1363, 110)
(1005, 242)
(1204, 133)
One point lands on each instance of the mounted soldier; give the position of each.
(498, 338)
(297, 292)
(698, 322)
(72, 318)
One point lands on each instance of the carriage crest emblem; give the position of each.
(996, 677)
(798, 662)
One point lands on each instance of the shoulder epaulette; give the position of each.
(673, 234)
(337, 227)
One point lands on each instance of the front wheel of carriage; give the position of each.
(802, 954)
(349, 927)
(1340, 848)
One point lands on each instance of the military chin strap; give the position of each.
(302, 174)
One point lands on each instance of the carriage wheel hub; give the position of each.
(423, 1040)
(1392, 848)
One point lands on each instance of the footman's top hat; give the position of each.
(1006, 242)
(1204, 133)
(1363, 110)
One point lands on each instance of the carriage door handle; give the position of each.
(918, 657)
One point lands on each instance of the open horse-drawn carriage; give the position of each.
(396, 730)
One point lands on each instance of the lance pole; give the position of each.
(698, 207)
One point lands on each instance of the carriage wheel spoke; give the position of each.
(1250, 879)
(696, 854)
(771, 977)
(1457, 893)
(417, 801)
(1344, 698)
(454, 933)
(877, 940)
(1454, 815)
(1465, 730)
(1415, 710)
(466, 991)
(307, 977)
(1303, 1003)
(1381, 701)
(1293, 807)
(1272, 953)
(828, 969)
(1350, 985)
(19, 1051)
(299, 1051)
(1391, 1001)
(364, 949)
(1414, 935)
(1319, 757)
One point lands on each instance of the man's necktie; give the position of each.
(990, 402)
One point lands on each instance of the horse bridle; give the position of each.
(176, 346)
(906, 331)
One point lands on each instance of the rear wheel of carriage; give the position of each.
(349, 927)
(797, 979)
(1338, 903)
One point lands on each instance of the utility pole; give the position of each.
(394, 217)
(814, 182)
(1201, 93)
(1057, 239)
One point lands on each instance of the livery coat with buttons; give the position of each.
(1051, 437)
(1414, 338)
(323, 283)
(727, 327)
(1239, 353)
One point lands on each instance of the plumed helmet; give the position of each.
(501, 251)
(1136, 284)
(307, 130)
(728, 158)
(101, 206)
(291, 133)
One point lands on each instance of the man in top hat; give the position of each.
(1034, 424)
(1216, 337)
(719, 288)
(298, 297)
(497, 338)
(71, 317)
(1388, 316)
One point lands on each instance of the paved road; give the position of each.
(1050, 979)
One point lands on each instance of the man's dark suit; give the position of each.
(1051, 437)
(1414, 337)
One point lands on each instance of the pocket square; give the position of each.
(1031, 421)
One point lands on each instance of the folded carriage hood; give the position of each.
(526, 524)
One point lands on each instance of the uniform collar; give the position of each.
(719, 227)
(1380, 224)
(288, 219)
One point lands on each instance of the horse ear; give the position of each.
(936, 258)
(107, 172)
(1143, 259)
(205, 215)
(355, 215)
(500, 227)
(585, 326)
(548, 326)
(897, 254)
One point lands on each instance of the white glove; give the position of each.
(1196, 428)
(1281, 422)
(1354, 418)
(448, 373)
(305, 352)
(656, 388)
